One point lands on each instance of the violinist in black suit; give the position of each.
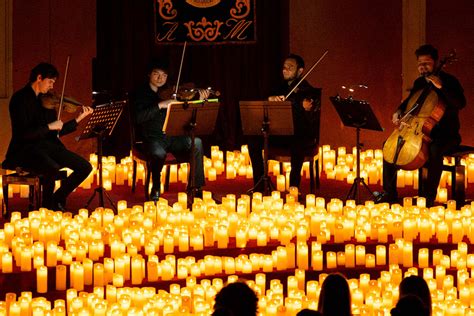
(306, 110)
(35, 145)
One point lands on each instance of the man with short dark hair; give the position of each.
(35, 145)
(306, 110)
(444, 135)
(149, 111)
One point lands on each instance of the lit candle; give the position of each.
(381, 255)
(212, 174)
(360, 255)
(423, 258)
(42, 279)
(98, 274)
(51, 254)
(7, 262)
(369, 260)
(408, 254)
(281, 186)
(349, 256)
(331, 260)
(61, 277)
(137, 275)
(317, 260)
(25, 264)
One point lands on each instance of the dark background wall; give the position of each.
(363, 38)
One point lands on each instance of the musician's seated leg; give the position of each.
(299, 149)
(81, 169)
(255, 146)
(390, 193)
(180, 147)
(156, 149)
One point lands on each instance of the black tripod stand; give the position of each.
(354, 193)
(100, 191)
(101, 124)
(357, 114)
(266, 118)
(182, 119)
(264, 179)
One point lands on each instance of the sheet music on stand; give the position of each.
(103, 119)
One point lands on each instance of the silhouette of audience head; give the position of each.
(335, 296)
(235, 299)
(416, 285)
(308, 312)
(410, 305)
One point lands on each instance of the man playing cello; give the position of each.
(444, 135)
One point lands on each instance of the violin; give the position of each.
(51, 101)
(186, 92)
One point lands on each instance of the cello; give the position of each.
(407, 146)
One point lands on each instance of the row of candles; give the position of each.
(337, 164)
(369, 296)
(210, 224)
(136, 268)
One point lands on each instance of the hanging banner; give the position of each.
(205, 21)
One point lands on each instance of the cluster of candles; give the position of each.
(340, 165)
(116, 254)
(110, 251)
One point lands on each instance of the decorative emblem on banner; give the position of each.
(205, 21)
(203, 3)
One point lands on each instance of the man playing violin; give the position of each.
(35, 145)
(306, 106)
(445, 135)
(149, 111)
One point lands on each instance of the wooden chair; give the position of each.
(457, 170)
(20, 176)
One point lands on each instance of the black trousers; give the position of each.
(47, 158)
(180, 147)
(299, 147)
(437, 149)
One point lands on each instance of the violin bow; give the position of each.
(309, 71)
(180, 68)
(61, 100)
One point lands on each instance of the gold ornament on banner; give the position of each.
(166, 10)
(203, 3)
(241, 10)
(206, 31)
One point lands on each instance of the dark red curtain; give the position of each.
(240, 72)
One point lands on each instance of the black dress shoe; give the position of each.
(60, 207)
(155, 195)
(385, 197)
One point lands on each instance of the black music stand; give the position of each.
(182, 119)
(100, 125)
(357, 114)
(266, 118)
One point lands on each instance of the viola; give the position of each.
(407, 146)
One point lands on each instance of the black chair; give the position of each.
(139, 156)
